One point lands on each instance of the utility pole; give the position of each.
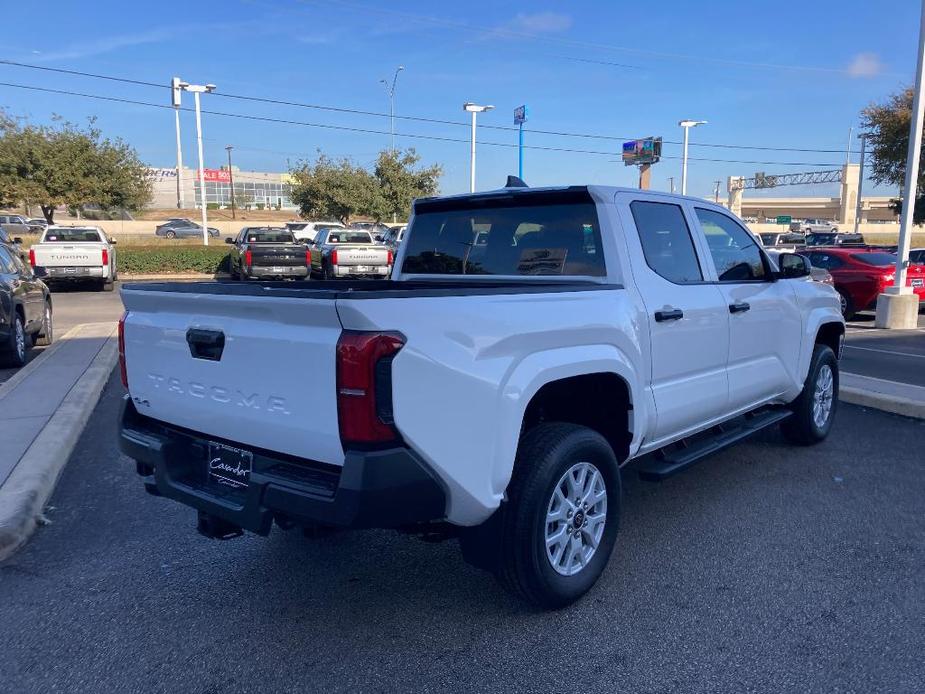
(897, 307)
(857, 210)
(687, 124)
(390, 90)
(716, 191)
(198, 89)
(175, 101)
(474, 109)
(228, 149)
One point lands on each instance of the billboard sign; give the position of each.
(520, 115)
(217, 175)
(647, 151)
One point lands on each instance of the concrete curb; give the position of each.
(26, 491)
(880, 401)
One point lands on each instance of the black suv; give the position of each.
(25, 309)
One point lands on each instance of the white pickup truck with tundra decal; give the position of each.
(75, 254)
(490, 390)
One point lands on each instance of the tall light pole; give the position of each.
(198, 89)
(175, 101)
(858, 207)
(671, 184)
(897, 307)
(474, 109)
(687, 125)
(228, 149)
(390, 89)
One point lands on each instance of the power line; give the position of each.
(419, 119)
(370, 131)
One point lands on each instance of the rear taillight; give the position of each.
(105, 257)
(32, 257)
(334, 257)
(308, 257)
(391, 257)
(122, 370)
(364, 387)
(248, 258)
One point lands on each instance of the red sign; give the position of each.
(219, 175)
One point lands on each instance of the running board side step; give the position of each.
(674, 461)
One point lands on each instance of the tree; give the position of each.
(64, 164)
(400, 182)
(338, 189)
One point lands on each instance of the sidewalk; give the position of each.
(46, 405)
(890, 396)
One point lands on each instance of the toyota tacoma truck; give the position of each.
(75, 254)
(495, 391)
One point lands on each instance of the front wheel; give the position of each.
(14, 351)
(559, 523)
(814, 409)
(171, 234)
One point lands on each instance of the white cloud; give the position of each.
(538, 23)
(865, 65)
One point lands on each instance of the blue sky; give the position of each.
(783, 74)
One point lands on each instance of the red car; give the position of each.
(861, 274)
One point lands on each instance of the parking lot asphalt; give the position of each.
(74, 305)
(767, 568)
(892, 355)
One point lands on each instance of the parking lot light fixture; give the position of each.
(687, 124)
(198, 89)
(474, 109)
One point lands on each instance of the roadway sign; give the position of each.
(784, 219)
(520, 115)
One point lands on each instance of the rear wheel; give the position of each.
(14, 351)
(814, 409)
(171, 234)
(558, 525)
(846, 305)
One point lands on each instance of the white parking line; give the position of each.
(886, 351)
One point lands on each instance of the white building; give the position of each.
(256, 189)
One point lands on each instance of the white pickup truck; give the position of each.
(75, 254)
(491, 390)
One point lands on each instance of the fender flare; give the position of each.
(540, 368)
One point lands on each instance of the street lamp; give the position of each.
(391, 92)
(198, 89)
(687, 125)
(473, 109)
(228, 149)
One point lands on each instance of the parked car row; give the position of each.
(333, 252)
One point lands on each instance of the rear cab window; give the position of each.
(73, 236)
(269, 236)
(542, 233)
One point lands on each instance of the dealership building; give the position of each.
(255, 189)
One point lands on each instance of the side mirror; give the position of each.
(16, 239)
(793, 266)
(112, 242)
(39, 272)
(229, 240)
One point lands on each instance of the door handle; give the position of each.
(740, 307)
(669, 314)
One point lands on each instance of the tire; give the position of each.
(46, 335)
(848, 310)
(171, 234)
(530, 563)
(814, 409)
(13, 352)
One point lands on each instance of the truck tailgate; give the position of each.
(367, 254)
(271, 385)
(70, 255)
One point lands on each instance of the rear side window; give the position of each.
(825, 261)
(666, 241)
(6, 262)
(735, 252)
(875, 259)
(549, 233)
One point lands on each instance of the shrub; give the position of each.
(155, 260)
(212, 205)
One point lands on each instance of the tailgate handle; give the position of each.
(206, 344)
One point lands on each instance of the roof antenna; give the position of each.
(515, 182)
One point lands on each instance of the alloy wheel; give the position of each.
(575, 518)
(823, 394)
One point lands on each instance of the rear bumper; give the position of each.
(374, 489)
(354, 271)
(258, 272)
(70, 272)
